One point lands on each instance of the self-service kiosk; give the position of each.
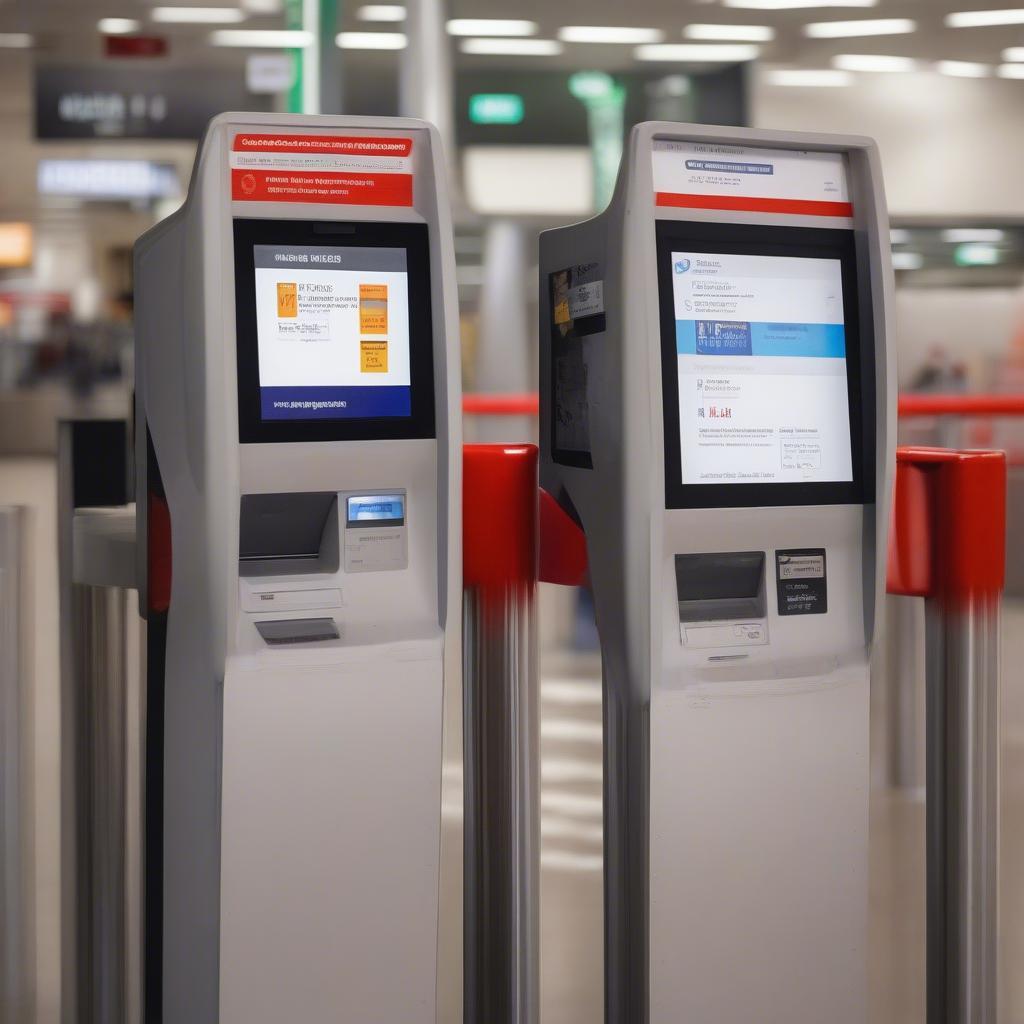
(717, 411)
(299, 479)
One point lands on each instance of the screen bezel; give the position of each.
(769, 240)
(414, 238)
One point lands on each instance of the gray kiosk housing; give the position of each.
(736, 516)
(303, 656)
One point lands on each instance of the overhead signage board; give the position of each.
(127, 103)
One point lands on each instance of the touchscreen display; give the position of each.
(332, 328)
(761, 362)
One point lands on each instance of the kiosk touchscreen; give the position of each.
(717, 412)
(298, 468)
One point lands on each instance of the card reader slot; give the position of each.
(721, 586)
(288, 534)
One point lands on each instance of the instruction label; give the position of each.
(354, 170)
(802, 581)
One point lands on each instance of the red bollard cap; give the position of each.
(499, 515)
(948, 537)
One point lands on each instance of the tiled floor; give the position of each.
(571, 912)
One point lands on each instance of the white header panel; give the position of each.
(712, 176)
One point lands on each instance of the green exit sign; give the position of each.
(496, 108)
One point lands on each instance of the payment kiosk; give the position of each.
(299, 513)
(717, 411)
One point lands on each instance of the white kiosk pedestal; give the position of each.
(717, 411)
(299, 480)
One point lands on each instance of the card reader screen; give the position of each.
(381, 509)
(761, 352)
(332, 324)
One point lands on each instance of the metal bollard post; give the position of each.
(16, 939)
(948, 546)
(501, 753)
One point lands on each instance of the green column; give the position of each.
(605, 103)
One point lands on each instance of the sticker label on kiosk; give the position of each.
(801, 581)
(375, 536)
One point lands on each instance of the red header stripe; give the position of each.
(752, 204)
(321, 187)
(347, 145)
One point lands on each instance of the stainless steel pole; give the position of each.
(949, 547)
(963, 811)
(502, 818)
(16, 937)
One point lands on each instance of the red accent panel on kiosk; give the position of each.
(754, 204)
(948, 537)
(499, 521)
(563, 545)
(350, 170)
(159, 554)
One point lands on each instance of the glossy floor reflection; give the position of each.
(571, 890)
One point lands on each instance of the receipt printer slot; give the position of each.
(288, 534)
(721, 586)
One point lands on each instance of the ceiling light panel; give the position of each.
(197, 15)
(512, 47)
(117, 26)
(731, 33)
(698, 53)
(1013, 54)
(1010, 71)
(794, 5)
(609, 34)
(381, 12)
(16, 40)
(371, 40)
(985, 19)
(256, 39)
(873, 63)
(867, 27)
(491, 27)
(963, 69)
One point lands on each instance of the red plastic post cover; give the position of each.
(499, 515)
(948, 537)
(961, 405)
(159, 554)
(527, 404)
(563, 545)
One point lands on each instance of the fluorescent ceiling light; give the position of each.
(16, 40)
(1014, 53)
(381, 12)
(697, 53)
(957, 235)
(868, 27)
(262, 6)
(963, 69)
(117, 26)
(983, 19)
(907, 261)
(491, 27)
(370, 40)
(609, 34)
(810, 78)
(873, 62)
(197, 15)
(512, 47)
(792, 5)
(899, 236)
(733, 33)
(1010, 71)
(279, 39)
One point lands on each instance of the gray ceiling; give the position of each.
(67, 28)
